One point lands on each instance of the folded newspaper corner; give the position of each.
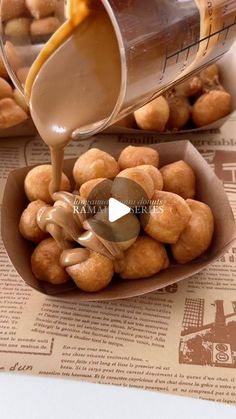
(180, 339)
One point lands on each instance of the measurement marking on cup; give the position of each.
(188, 52)
(223, 28)
(197, 44)
(191, 73)
(206, 38)
(181, 49)
(164, 69)
(226, 35)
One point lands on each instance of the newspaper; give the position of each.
(179, 340)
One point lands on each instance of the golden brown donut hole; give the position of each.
(180, 111)
(138, 176)
(10, 113)
(45, 263)
(189, 88)
(136, 156)
(143, 259)
(28, 223)
(126, 122)
(154, 173)
(197, 236)
(179, 178)
(95, 164)
(37, 183)
(210, 107)
(154, 115)
(168, 217)
(41, 8)
(93, 274)
(210, 75)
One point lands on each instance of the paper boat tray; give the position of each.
(209, 190)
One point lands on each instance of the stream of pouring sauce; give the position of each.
(76, 87)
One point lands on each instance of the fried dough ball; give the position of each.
(210, 75)
(180, 111)
(18, 27)
(3, 71)
(210, 107)
(5, 89)
(13, 56)
(45, 263)
(153, 116)
(92, 190)
(37, 183)
(179, 178)
(126, 122)
(28, 226)
(143, 259)
(11, 9)
(22, 74)
(189, 88)
(41, 8)
(155, 175)
(44, 27)
(169, 215)
(10, 113)
(92, 274)
(136, 156)
(138, 176)
(197, 236)
(95, 164)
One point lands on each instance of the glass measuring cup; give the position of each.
(159, 44)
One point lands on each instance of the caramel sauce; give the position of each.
(74, 257)
(68, 227)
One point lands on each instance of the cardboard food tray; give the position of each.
(209, 190)
(25, 129)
